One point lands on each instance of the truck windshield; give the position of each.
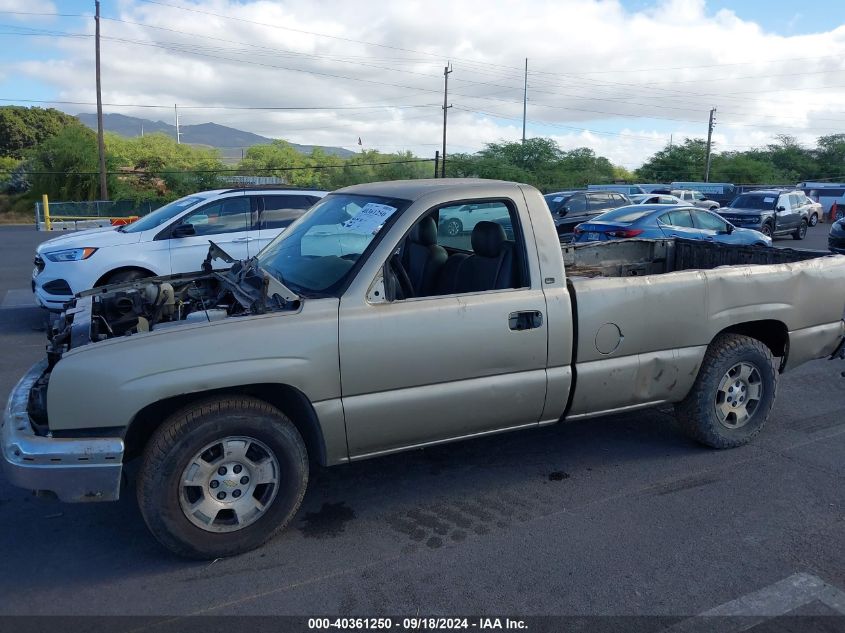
(161, 215)
(754, 201)
(317, 253)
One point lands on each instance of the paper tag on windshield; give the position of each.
(558, 199)
(370, 218)
(768, 199)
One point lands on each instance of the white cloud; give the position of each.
(27, 7)
(592, 65)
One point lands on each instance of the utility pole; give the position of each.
(710, 126)
(436, 163)
(178, 133)
(101, 144)
(446, 72)
(524, 100)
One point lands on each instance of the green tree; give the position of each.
(66, 165)
(22, 129)
(685, 161)
(830, 156)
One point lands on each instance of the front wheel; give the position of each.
(814, 219)
(732, 395)
(801, 231)
(766, 230)
(221, 477)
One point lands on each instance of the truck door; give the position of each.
(462, 354)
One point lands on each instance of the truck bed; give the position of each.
(635, 258)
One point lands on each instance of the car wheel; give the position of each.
(801, 231)
(452, 227)
(732, 395)
(766, 230)
(221, 477)
(124, 276)
(814, 219)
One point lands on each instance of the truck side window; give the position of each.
(475, 247)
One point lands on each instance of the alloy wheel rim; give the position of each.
(739, 395)
(229, 484)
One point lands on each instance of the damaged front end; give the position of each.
(155, 304)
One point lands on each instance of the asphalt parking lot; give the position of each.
(615, 516)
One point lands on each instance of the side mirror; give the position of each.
(729, 228)
(780, 208)
(563, 210)
(183, 230)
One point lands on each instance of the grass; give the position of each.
(17, 209)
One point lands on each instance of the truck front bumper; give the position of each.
(75, 469)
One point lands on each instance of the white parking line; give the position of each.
(18, 298)
(775, 600)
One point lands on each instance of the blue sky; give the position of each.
(608, 69)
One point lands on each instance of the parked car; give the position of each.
(171, 239)
(626, 189)
(695, 198)
(836, 239)
(229, 386)
(453, 222)
(657, 221)
(570, 208)
(652, 198)
(771, 211)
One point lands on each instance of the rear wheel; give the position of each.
(732, 395)
(222, 477)
(452, 227)
(801, 232)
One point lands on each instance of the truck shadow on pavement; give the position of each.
(426, 498)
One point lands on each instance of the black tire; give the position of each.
(801, 232)
(697, 413)
(452, 227)
(766, 230)
(175, 445)
(814, 219)
(124, 276)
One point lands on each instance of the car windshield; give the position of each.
(162, 215)
(755, 201)
(317, 253)
(624, 214)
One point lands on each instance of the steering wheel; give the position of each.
(402, 277)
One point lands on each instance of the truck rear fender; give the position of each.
(289, 400)
(771, 333)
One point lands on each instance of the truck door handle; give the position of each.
(242, 239)
(527, 320)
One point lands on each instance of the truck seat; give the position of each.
(423, 257)
(490, 267)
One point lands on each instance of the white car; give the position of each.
(658, 198)
(696, 198)
(172, 239)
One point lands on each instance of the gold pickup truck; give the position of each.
(371, 326)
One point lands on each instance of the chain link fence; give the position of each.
(73, 216)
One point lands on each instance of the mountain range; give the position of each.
(230, 141)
